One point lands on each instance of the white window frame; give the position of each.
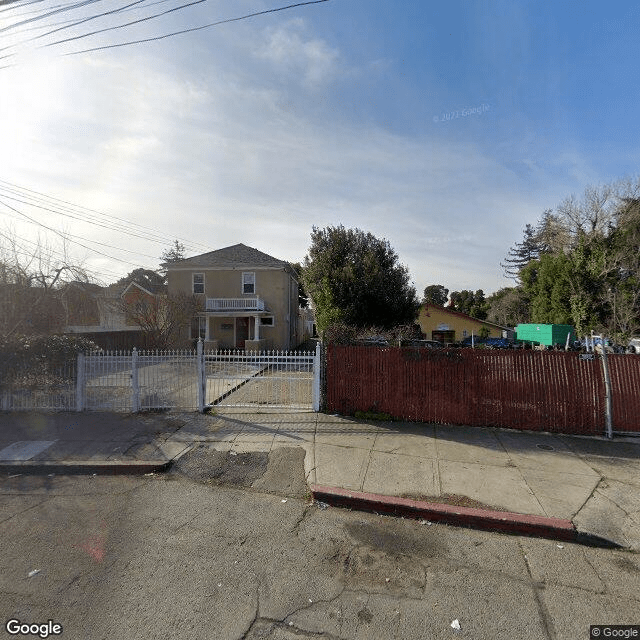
(194, 283)
(249, 278)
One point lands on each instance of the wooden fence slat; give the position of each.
(549, 391)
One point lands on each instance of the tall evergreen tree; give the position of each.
(522, 253)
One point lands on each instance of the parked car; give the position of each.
(426, 344)
(373, 341)
(489, 343)
(634, 345)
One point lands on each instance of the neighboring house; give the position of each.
(446, 325)
(306, 322)
(134, 295)
(99, 313)
(250, 299)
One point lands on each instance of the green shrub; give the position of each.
(33, 360)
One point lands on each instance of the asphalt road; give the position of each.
(229, 547)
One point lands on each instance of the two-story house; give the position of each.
(249, 298)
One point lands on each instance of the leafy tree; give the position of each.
(163, 317)
(473, 304)
(552, 234)
(508, 307)
(587, 271)
(150, 280)
(436, 294)
(356, 278)
(622, 281)
(303, 298)
(547, 284)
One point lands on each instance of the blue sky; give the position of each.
(443, 127)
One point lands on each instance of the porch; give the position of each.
(254, 303)
(235, 331)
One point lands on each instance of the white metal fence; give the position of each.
(275, 379)
(138, 380)
(188, 380)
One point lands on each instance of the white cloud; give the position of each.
(223, 152)
(312, 60)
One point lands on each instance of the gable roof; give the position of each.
(133, 283)
(237, 256)
(427, 307)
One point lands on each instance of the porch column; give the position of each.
(256, 330)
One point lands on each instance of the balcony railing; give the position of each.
(235, 304)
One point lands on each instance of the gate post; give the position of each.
(201, 378)
(316, 380)
(607, 392)
(135, 389)
(80, 383)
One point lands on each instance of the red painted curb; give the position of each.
(517, 523)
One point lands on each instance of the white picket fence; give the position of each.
(187, 380)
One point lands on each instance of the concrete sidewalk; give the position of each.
(449, 473)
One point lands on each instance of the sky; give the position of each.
(442, 127)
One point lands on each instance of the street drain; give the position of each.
(545, 447)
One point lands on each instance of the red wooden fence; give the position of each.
(625, 382)
(547, 391)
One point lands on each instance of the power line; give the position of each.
(192, 29)
(99, 15)
(29, 253)
(73, 22)
(83, 3)
(68, 211)
(68, 214)
(84, 214)
(102, 244)
(62, 235)
(127, 24)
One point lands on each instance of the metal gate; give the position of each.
(187, 380)
(262, 379)
(138, 381)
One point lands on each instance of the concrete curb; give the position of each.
(101, 468)
(503, 521)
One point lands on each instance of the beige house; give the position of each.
(250, 299)
(446, 325)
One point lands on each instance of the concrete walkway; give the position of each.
(589, 484)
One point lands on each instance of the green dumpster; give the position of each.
(547, 334)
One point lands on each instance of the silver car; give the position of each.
(634, 345)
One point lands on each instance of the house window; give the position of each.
(267, 321)
(465, 333)
(198, 283)
(198, 328)
(249, 282)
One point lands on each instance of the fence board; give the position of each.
(533, 390)
(625, 380)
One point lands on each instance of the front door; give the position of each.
(443, 336)
(242, 332)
